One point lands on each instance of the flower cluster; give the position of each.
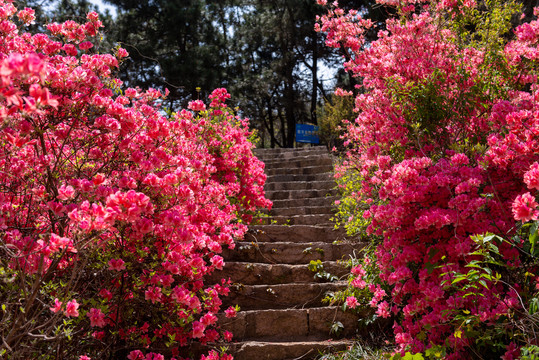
(107, 205)
(445, 146)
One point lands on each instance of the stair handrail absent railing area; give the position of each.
(282, 315)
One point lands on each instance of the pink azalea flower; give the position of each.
(198, 329)
(196, 105)
(116, 265)
(153, 294)
(352, 302)
(72, 309)
(57, 306)
(208, 319)
(227, 335)
(525, 208)
(230, 312)
(97, 318)
(135, 355)
(531, 177)
(383, 309)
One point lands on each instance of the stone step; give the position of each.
(304, 161)
(294, 233)
(292, 203)
(280, 296)
(291, 211)
(289, 252)
(300, 194)
(317, 219)
(288, 324)
(283, 154)
(304, 350)
(247, 273)
(295, 177)
(300, 185)
(308, 170)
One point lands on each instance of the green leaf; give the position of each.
(533, 236)
(534, 306)
(482, 282)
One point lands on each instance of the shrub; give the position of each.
(443, 152)
(111, 211)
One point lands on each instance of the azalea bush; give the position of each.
(441, 173)
(112, 210)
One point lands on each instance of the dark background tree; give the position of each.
(265, 52)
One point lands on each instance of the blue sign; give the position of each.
(307, 134)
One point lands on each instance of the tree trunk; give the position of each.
(314, 94)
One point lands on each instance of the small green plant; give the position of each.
(336, 328)
(317, 267)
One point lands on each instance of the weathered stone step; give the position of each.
(283, 154)
(260, 273)
(317, 219)
(280, 296)
(291, 211)
(304, 161)
(308, 170)
(288, 203)
(295, 177)
(300, 194)
(287, 324)
(304, 350)
(300, 185)
(289, 252)
(294, 233)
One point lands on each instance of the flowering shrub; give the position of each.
(444, 149)
(111, 213)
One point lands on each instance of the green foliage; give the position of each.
(330, 119)
(486, 26)
(408, 356)
(359, 352)
(530, 352)
(317, 267)
(487, 269)
(351, 206)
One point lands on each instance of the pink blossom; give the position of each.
(351, 302)
(136, 355)
(84, 357)
(227, 335)
(197, 105)
(97, 318)
(230, 312)
(116, 264)
(85, 45)
(122, 53)
(154, 356)
(57, 306)
(217, 261)
(65, 192)
(531, 177)
(208, 319)
(383, 309)
(72, 309)
(153, 294)
(198, 329)
(358, 283)
(525, 208)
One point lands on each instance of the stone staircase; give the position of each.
(282, 316)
